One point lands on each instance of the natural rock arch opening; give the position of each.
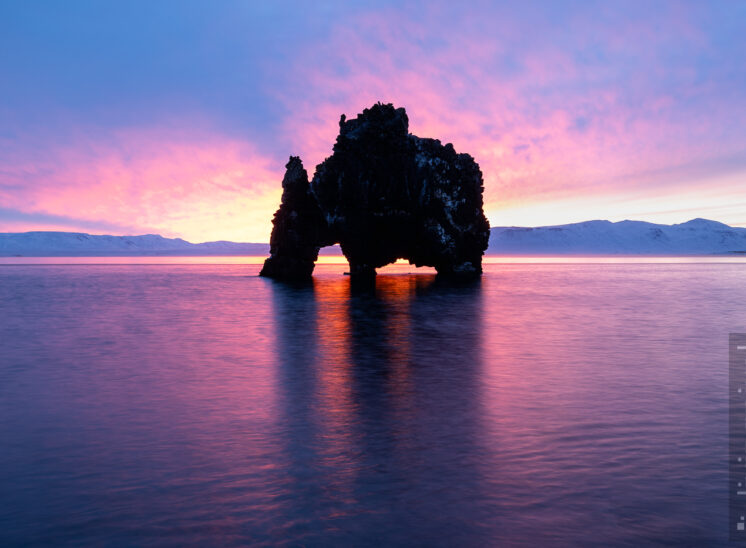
(383, 194)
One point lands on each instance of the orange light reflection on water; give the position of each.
(335, 398)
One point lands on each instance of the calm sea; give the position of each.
(549, 404)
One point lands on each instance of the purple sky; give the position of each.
(178, 117)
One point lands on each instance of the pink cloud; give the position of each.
(200, 186)
(551, 130)
(568, 120)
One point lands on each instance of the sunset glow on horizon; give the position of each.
(178, 117)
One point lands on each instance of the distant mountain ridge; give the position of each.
(76, 244)
(695, 237)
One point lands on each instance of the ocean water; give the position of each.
(549, 404)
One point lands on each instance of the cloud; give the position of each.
(180, 120)
(13, 220)
(551, 108)
(198, 185)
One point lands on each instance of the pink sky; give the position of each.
(608, 113)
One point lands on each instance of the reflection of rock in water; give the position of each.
(381, 406)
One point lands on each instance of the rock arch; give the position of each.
(383, 194)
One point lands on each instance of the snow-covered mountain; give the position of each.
(695, 237)
(74, 244)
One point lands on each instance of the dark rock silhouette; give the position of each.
(383, 194)
(300, 229)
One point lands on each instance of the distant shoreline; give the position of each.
(694, 238)
(339, 255)
(340, 262)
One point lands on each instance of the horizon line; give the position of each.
(267, 243)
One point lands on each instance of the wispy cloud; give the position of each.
(13, 220)
(576, 110)
(572, 109)
(197, 185)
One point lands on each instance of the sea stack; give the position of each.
(384, 194)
